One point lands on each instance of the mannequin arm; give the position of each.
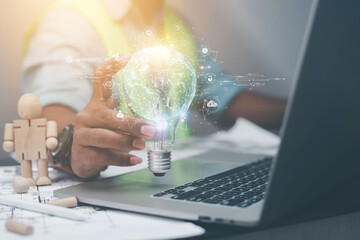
(8, 144)
(51, 135)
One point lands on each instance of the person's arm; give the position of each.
(266, 111)
(55, 67)
(100, 139)
(61, 114)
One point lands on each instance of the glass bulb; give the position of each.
(159, 84)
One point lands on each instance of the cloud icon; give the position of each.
(211, 104)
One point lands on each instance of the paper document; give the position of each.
(103, 223)
(246, 137)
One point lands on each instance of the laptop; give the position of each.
(319, 148)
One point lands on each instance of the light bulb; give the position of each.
(159, 84)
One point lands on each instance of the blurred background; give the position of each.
(250, 36)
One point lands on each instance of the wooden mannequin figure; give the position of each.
(31, 137)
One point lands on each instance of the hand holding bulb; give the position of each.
(100, 139)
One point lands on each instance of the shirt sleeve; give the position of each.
(62, 56)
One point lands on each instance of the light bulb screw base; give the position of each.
(159, 162)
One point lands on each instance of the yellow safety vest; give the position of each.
(114, 40)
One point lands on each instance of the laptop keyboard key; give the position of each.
(231, 185)
(203, 189)
(222, 189)
(244, 204)
(160, 194)
(232, 202)
(230, 194)
(199, 198)
(213, 200)
(212, 192)
(175, 191)
(185, 195)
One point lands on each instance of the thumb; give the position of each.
(103, 77)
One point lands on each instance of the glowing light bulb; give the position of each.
(159, 84)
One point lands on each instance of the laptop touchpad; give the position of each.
(181, 172)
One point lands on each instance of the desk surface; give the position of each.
(334, 216)
(339, 227)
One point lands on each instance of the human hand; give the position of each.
(100, 138)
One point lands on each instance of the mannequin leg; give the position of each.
(26, 171)
(43, 175)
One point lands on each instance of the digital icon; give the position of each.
(177, 27)
(120, 115)
(210, 78)
(204, 50)
(211, 104)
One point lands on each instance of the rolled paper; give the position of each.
(64, 202)
(18, 227)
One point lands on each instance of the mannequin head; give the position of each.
(29, 107)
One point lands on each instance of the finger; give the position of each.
(116, 158)
(104, 138)
(103, 76)
(92, 160)
(106, 118)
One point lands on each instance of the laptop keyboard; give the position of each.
(238, 187)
